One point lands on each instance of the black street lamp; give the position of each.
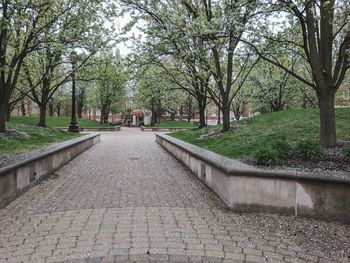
(73, 127)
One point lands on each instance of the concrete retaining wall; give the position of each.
(18, 178)
(246, 188)
(113, 128)
(155, 129)
(97, 129)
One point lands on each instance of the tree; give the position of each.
(151, 91)
(272, 88)
(17, 97)
(324, 43)
(22, 30)
(173, 101)
(110, 86)
(343, 95)
(29, 26)
(155, 93)
(50, 67)
(221, 25)
(170, 47)
(81, 99)
(191, 77)
(240, 102)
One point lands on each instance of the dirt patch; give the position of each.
(333, 163)
(12, 133)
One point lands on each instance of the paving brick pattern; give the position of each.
(128, 200)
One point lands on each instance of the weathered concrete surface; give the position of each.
(155, 129)
(106, 129)
(126, 200)
(246, 188)
(18, 177)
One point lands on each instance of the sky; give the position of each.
(125, 47)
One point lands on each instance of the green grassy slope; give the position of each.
(261, 131)
(36, 138)
(175, 124)
(56, 122)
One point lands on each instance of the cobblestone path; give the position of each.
(127, 200)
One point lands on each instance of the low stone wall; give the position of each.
(97, 129)
(245, 188)
(19, 177)
(112, 128)
(155, 129)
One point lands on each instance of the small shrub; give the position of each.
(266, 156)
(308, 150)
(283, 148)
(346, 151)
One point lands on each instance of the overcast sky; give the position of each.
(125, 47)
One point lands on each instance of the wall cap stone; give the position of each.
(235, 167)
(94, 129)
(164, 129)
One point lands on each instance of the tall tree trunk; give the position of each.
(172, 116)
(327, 119)
(189, 111)
(237, 113)
(219, 116)
(8, 112)
(23, 108)
(58, 110)
(159, 110)
(80, 111)
(189, 116)
(103, 113)
(181, 114)
(42, 116)
(51, 110)
(80, 106)
(226, 118)
(80, 102)
(154, 117)
(3, 117)
(153, 121)
(201, 108)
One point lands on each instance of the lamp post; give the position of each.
(73, 127)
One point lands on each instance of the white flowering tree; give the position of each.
(319, 33)
(172, 46)
(45, 26)
(203, 38)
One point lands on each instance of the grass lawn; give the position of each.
(36, 138)
(40, 137)
(175, 124)
(262, 131)
(54, 122)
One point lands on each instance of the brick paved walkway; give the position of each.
(127, 200)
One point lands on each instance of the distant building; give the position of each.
(342, 98)
(29, 107)
(212, 114)
(95, 115)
